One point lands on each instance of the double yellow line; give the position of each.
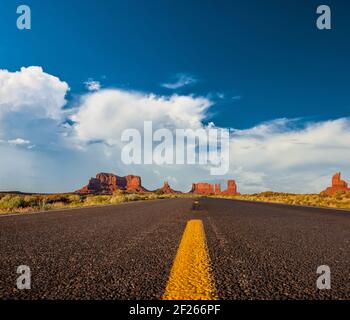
(191, 275)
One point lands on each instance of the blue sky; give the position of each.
(256, 62)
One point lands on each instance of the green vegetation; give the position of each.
(341, 199)
(21, 203)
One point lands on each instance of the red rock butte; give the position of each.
(209, 188)
(166, 189)
(337, 185)
(108, 183)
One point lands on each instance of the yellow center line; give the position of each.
(190, 277)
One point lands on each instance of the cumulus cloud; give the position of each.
(103, 115)
(282, 155)
(289, 155)
(92, 85)
(182, 80)
(31, 111)
(32, 106)
(32, 91)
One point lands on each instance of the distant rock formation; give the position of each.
(231, 188)
(209, 188)
(107, 183)
(166, 189)
(337, 185)
(202, 188)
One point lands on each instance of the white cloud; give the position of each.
(31, 110)
(92, 85)
(18, 142)
(32, 91)
(281, 155)
(103, 115)
(182, 80)
(31, 106)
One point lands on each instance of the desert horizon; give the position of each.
(107, 189)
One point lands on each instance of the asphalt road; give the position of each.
(256, 250)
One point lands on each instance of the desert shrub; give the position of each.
(119, 192)
(97, 199)
(50, 199)
(12, 202)
(153, 196)
(266, 194)
(132, 197)
(55, 205)
(74, 199)
(339, 195)
(117, 197)
(43, 204)
(32, 201)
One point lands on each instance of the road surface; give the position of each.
(138, 251)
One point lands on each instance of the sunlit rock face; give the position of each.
(108, 183)
(166, 189)
(337, 185)
(209, 188)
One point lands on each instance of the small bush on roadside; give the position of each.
(97, 199)
(11, 202)
(132, 197)
(31, 201)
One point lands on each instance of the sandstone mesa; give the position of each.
(166, 189)
(210, 188)
(107, 183)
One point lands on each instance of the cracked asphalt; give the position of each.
(257, 250)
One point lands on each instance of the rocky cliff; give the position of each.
(209, 188)
(202, 188)
(166, 189)
(231, 188)
(107, 183)
(337, 185)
